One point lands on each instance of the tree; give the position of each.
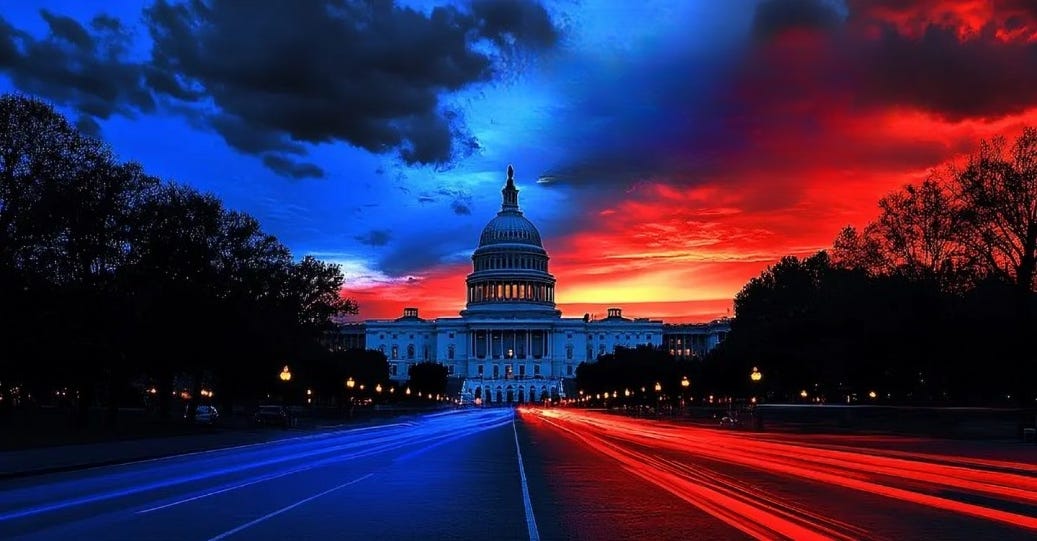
(130, 273)
(428, 378)
(999, 188)
(919, 234)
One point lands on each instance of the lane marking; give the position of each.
(285, 509)
(531, 522)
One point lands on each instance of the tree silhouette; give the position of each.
(109, 274)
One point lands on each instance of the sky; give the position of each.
(667, 151)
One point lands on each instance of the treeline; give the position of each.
(113, 281)
(931, 302)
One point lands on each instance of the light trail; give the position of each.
(222, 471)
(670, 457)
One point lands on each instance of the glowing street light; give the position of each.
(872, 394)
(658, 387)
(803, 393)
(285, 375)
(626, 392)
(378, 388)
(685, 383)
(407, 391)
(350, 383)
(756, 375)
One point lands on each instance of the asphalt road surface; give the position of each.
(497, 474)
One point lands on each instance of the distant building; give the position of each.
(510, 344)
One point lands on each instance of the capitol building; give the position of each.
(511, 344)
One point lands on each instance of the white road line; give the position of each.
(531, 521)
(284, 509)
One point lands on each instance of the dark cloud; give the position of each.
(375, 237)
(947, 76)
(68, 29)
(85, 68)
(290, 168)
(688, 118)
(774, 17)
(461, 208)
(507, 22)
(420, 252)
(923, 54)
(270, 76)
(371, 74)
(89, 126)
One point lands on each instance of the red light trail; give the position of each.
(670, 457)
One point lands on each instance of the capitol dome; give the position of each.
(511, 228)
(510, 276)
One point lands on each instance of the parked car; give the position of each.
(273, 415)
(730, 422)
(203, 414)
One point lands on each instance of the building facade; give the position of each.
(511, 344)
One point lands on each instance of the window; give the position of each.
(412, 336)
(479, 370)
(381, 336)
(410, 351)
(396, 352)
(569, 370)
(394, 336)
(522, 370)
(451, 335)
(536, 369)
(450, 352)
(393, 366)
(569, 352)
(450, 369)
(381, 348)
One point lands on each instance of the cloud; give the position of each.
(375, 237)
(427, 248)
(288, 168)
(461, 208)
(84, 68)
(774, 17)
(372, 75)
(271, 77)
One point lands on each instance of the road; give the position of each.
(495, 474)
(720, 484)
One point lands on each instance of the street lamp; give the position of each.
(407, 391)
(684, 389)
(285, 375)
(378, 388)
(350, 383)
(756, 375)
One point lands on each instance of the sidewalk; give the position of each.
(60, 458)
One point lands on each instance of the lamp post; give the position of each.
(286, 376)
(350, 383)
(685, 383)
(755, 377)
